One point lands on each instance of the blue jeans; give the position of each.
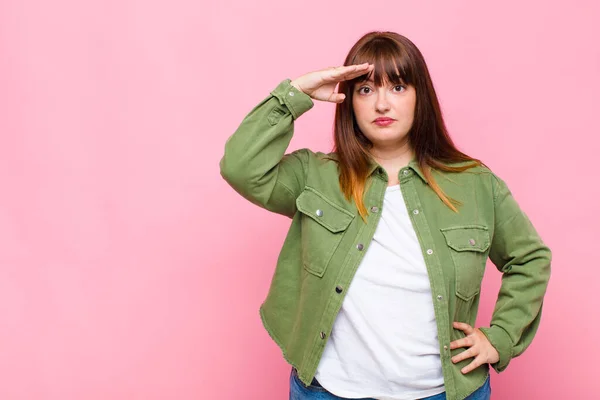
(299, 391)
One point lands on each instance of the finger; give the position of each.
(474, 364)
(464, 342)
(468, 329)
(343, 72)
(353, 67)
(472, 352)
(340, 72)
(362, 70)
(337, 98)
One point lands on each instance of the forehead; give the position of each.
(370, 78)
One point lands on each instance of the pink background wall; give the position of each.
(130, 270)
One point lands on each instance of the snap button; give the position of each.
(291, 93)
(406, 172)
(415, 212)
(319, 213)
(360, 246)
(439, 297)
(472, 241)
(429, 251)
(374, 209)
(338, 289)
(322, 334)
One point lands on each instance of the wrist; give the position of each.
(294, 84)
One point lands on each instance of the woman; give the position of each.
(377, 286)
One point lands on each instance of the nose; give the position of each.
(382, 104)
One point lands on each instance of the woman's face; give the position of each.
(393, 101)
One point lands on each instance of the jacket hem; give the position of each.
(461, 396)
(276, 340)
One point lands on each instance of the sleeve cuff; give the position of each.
(502, 343)
(296, 101)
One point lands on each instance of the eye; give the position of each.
(402, 87)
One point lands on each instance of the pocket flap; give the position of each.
(467, 238)
(325, 212)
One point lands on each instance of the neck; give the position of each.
(393, 159)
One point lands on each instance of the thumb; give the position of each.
(338, 97)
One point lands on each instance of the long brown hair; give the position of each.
(397, 60)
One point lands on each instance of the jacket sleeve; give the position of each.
(524, 260)
(255, 163)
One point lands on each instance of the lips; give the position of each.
(383, 119)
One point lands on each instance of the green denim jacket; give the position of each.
(327, 240)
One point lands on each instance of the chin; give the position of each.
(385, 135)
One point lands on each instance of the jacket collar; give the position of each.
(413, 164)
(374, 165)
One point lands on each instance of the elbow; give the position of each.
(224, 168)
(548, 261)
(230, 171)
(543, 259)
(238, 175)
(546, 255)
(232, 174)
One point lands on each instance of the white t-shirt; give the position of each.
(384, 342)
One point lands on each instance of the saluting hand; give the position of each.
(320, 85)
(479, 347)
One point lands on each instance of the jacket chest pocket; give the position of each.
(468, 247)
(323, 225)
